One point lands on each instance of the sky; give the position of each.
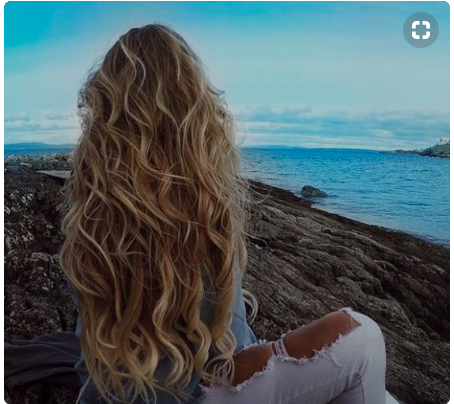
(300, 74)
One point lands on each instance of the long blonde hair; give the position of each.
(156, 207)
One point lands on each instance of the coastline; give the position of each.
(303, 263)
(403, 192)
(41, 161)
(439, 150)
(427, 239)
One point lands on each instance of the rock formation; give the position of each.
(439, 150)
(311, 192)
(303, 263)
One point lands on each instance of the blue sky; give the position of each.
(309, 74)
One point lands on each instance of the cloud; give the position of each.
(47, 127)
(306, 127)
(296, 125)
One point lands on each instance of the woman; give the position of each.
(155, 251)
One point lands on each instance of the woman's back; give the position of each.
(244, 337)
(157, 214)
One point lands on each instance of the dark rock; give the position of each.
(439, 150)
(303, 263)
(312, 192)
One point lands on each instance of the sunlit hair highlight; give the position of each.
(156, 218)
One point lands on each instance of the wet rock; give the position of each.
(312, 192)
(303, 263)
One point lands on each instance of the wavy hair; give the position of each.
(156, 219)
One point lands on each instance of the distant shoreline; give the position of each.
(38, 148)
(439, 150)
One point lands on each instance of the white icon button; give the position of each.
(415, 35)
(427, 34)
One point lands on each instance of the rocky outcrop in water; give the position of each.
(309, 191)
(439, 150)
(303, 264)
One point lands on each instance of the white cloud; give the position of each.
(307, 127)
(46, 127)
(298, 126)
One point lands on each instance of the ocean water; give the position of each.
(38, 151)
(403, 192)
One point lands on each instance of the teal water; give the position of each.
(403, 192)
(409, 193)
(37, 151)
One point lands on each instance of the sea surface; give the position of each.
(38, 151)
(403, 192)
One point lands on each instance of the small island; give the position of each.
(441, 149)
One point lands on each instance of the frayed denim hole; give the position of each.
(352, 314)
(353, 317)
(225, 384)
(318, 353)
(328, 349)
(260, 373)
(274, 358)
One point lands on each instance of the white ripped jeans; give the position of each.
(349, 371)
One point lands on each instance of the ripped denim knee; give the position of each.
(280, 353)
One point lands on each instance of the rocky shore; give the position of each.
(303, 264)
(439, 150)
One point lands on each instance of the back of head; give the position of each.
(157, 206)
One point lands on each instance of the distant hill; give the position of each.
(439, 150)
